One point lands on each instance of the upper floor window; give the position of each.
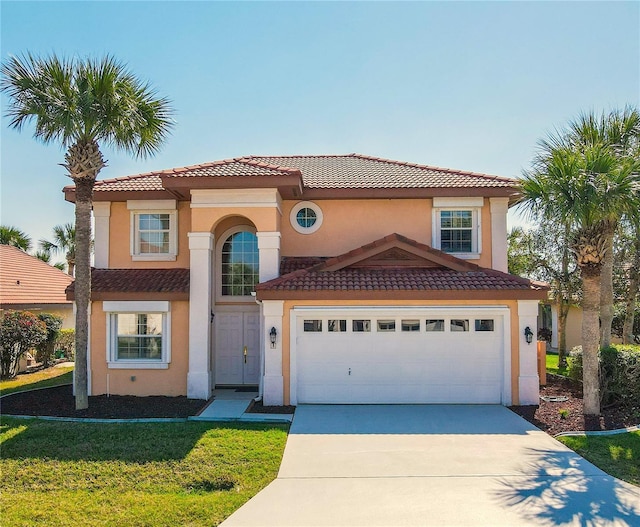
(240, 264)
(456, 231)
(456, 228)
(306, 217)
(154, 230)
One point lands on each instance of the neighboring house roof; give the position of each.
(24, 279)
(122, 284)
(311, 176)
(398, 267)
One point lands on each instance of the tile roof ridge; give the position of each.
(521, 279)
(285, 277)
(291, 156)
(433, 167)
(249, 160)
(403, 239)
(118, 179)
(168, 172)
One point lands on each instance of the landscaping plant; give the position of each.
(20, 331)
(66, 343)
(619, 367)
(46, 348)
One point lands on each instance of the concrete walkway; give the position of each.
(231, 405)
(432, 465)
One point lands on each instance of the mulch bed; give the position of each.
(567, 416)
(547, 416)
(59, 402)
(256, 407)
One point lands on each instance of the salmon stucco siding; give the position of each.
(338, 278)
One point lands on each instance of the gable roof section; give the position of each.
(396, 267)
(137, 284)
(308, 176)
(26, 280)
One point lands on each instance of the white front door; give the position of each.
(237, 347)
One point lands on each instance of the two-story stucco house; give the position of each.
(320, 279)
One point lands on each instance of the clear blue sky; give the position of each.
(469, 85)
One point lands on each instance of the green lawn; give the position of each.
(54, 376)
(618, 455)
(552, 365)
(146, 474)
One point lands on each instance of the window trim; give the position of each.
(293, 219)
(472, 205)
(114, 308)
(136, 207)
(218, 263)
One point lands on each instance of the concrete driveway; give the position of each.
(432, 465)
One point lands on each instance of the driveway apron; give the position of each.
(453, 465)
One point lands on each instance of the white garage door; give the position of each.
(400, 356)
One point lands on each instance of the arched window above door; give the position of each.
(239, 264)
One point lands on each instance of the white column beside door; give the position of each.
(200, 290)
(528, 379)
(273, 388)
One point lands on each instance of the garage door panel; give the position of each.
(400, 366)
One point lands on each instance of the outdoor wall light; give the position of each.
(528, 335)
(272, 336)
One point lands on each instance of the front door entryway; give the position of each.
(237, 347)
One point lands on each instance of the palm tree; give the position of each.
(588, 188)
(620, 129)
(14, 237)
(64, 241)
(45, 256)
(82, 104)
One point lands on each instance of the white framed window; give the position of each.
(154, 230)
(138, 334)
(456, 226)
(306, 217)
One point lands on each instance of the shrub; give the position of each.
(46, 348)
(19, 332)
(66, 344)
(619, 373)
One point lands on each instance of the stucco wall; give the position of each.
(171, 382)
(349, 224)
(120, 239)
(290, 304)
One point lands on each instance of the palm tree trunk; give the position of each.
(606, 293)
(84, 198)
(590, 341)
(563, 313)
(70, 267)
(632, 293)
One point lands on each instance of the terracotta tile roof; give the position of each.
(26, 280)
(437, 273)
(360, 171)
(414, 279)
(351, 171)
(142, 182)
(289, 264)
(118, 281)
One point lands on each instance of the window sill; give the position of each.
(466, 256)
(137, 365)
(153, 257)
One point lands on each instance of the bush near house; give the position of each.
(46, 348)
(20, 331)
(66, 344)
(619, 373)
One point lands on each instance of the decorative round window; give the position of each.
(306, 217)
